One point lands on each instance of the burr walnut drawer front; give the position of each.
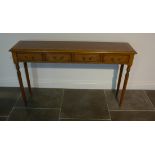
(58, 57)
(29, 57)
(87, 58)
(115, 59)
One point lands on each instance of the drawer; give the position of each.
(115, 59)
(29, 57)
(87, 58)
(58, 57)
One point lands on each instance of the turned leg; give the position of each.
(27, 77)
(125, 84)
(21, 83)
(119, 79)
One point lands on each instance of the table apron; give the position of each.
(64, 57)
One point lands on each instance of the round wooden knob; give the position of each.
(84, 58)
(112, 59)
(62, 57)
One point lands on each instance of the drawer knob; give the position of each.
(112, 59)
(84, 58)
(62, 57)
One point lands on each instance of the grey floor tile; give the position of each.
(43, 98)
(3, 118)
(30, 114)
(151, 95)
(72, 119)
(134, 100)
(84, 105)
(8, 98)
(132, 115)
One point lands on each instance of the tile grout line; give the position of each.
(148, 98)
(62, 99)
(10, 113)
(81, 119)
(107, 105)
(4, 116)
(13, 107)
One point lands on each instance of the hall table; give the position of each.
(73, 52)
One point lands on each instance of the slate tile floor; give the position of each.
(76, 105)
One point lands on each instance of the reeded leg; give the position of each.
(125, 84)
(119, 79)
(21, 83)
(27, 77)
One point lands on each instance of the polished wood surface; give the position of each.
(71, 46)
(73, 52)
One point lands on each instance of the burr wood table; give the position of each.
(73, 52)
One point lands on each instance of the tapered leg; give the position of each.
(21, 83)
(27, 77)
(119, 79)
(125, 84)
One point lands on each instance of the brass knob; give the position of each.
(112, 59)
(84, 58)
(62, 57)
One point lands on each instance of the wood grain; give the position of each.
(69, 46)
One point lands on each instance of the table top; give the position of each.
(71, 46)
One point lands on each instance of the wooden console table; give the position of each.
(73, 52)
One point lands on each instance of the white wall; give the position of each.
(81, 76)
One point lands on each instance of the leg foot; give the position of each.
(125, 85)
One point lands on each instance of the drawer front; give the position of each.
(58, 57)
(87, 58)
(29, 57)
(114, 59)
